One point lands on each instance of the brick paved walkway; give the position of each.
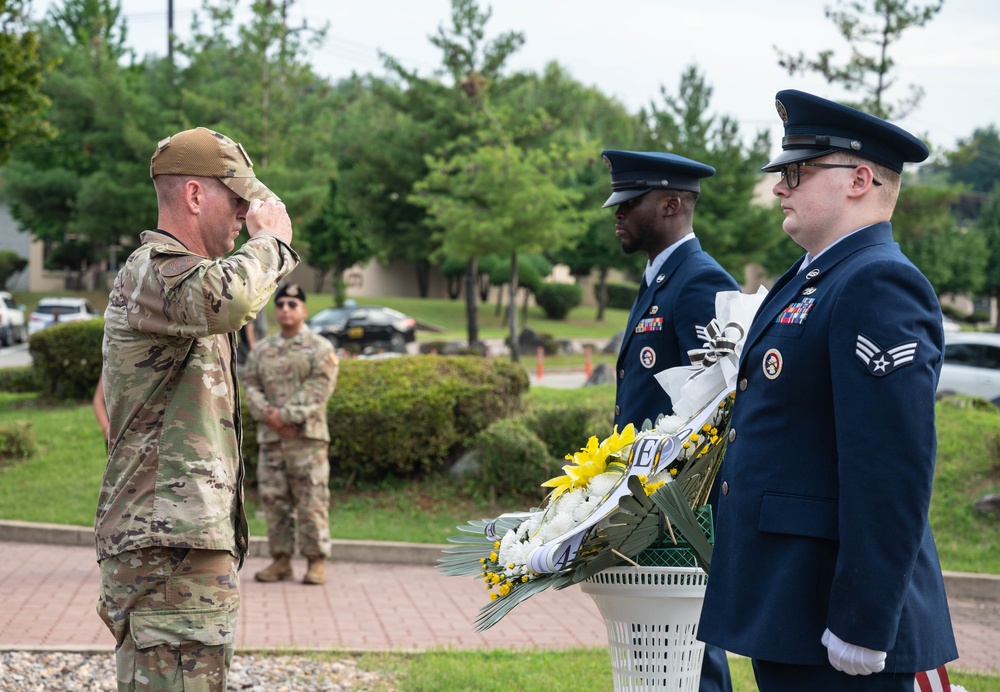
(49, 594)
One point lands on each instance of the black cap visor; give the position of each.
(620, 196)
(794, 156)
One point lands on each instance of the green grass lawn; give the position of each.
(60, 482)
(562, 670)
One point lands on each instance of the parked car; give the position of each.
(58, 310)
(971, 365)
(12, 328)
(365, 325)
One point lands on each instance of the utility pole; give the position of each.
(170, 31)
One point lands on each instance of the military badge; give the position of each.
(881, 362)
(796, 313)
(653, 310)
(782, 113)
(660, 278)
(649, 324)
(647, 357)
(808, 291)
(607, 162)
(813, 274)
(772, 363)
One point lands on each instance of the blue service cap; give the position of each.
(635, 173)
(816, 127)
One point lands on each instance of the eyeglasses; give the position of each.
(290, 304)
(792, 173)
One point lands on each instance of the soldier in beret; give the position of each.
(289, 378)
(825, 571)
(171, 529)
(655, 194)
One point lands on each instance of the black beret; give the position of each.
(635, 173)
(816, 127)
(290, 291)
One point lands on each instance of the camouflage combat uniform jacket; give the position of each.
(175, 472)
(297, 377)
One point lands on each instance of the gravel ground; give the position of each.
(71, 672)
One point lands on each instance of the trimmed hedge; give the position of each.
(565, 428)
(68, 358)
(557, 299)
(620, 296)
(513, 462)
(19, 380)
(405, 416)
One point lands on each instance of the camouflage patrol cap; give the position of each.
(207, 153)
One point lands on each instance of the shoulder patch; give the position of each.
(175, 266)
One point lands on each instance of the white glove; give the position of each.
(850, 658)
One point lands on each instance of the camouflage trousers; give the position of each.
(293, 479)
(173, 613)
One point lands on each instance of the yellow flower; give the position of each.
(705, 428)
(590, 461)
(493, 556)
(496, 545)
(504, 589)
(494, 596)
(524, 579)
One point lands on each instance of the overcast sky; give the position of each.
(630, 48)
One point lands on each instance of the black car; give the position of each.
(365, 325)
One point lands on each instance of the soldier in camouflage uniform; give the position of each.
(171, 529)
(289, 379)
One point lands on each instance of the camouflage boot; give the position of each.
(279, 570)
(316, 573)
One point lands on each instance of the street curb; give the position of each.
(957, 584)
(420, 554)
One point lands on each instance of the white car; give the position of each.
(58, 310)
(971, 365)
(12, 328)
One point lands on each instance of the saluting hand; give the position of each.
(269, 217)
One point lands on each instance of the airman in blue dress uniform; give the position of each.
(825, 571)
(655, 194)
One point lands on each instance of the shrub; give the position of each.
(68, 358)
(557, 299)
(620, 296)
(16, 442)
(404, 417)
(513, 462)
(566, 428)
(20, 379)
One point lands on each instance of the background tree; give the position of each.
(11, 264)
(952, 258)
(454, 114)
(89, 186)
(976, 161)
(254, 83)
(730, 225)
(870, 28)
(336, 242)
(501, 200)
(22, 71)
(988, 227)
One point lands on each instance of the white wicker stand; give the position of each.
(652, 618)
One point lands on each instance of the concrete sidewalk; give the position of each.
(49, 592)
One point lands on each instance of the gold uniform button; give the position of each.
(743, 384)
(732, 435)
(725, 488)
(618, 410)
